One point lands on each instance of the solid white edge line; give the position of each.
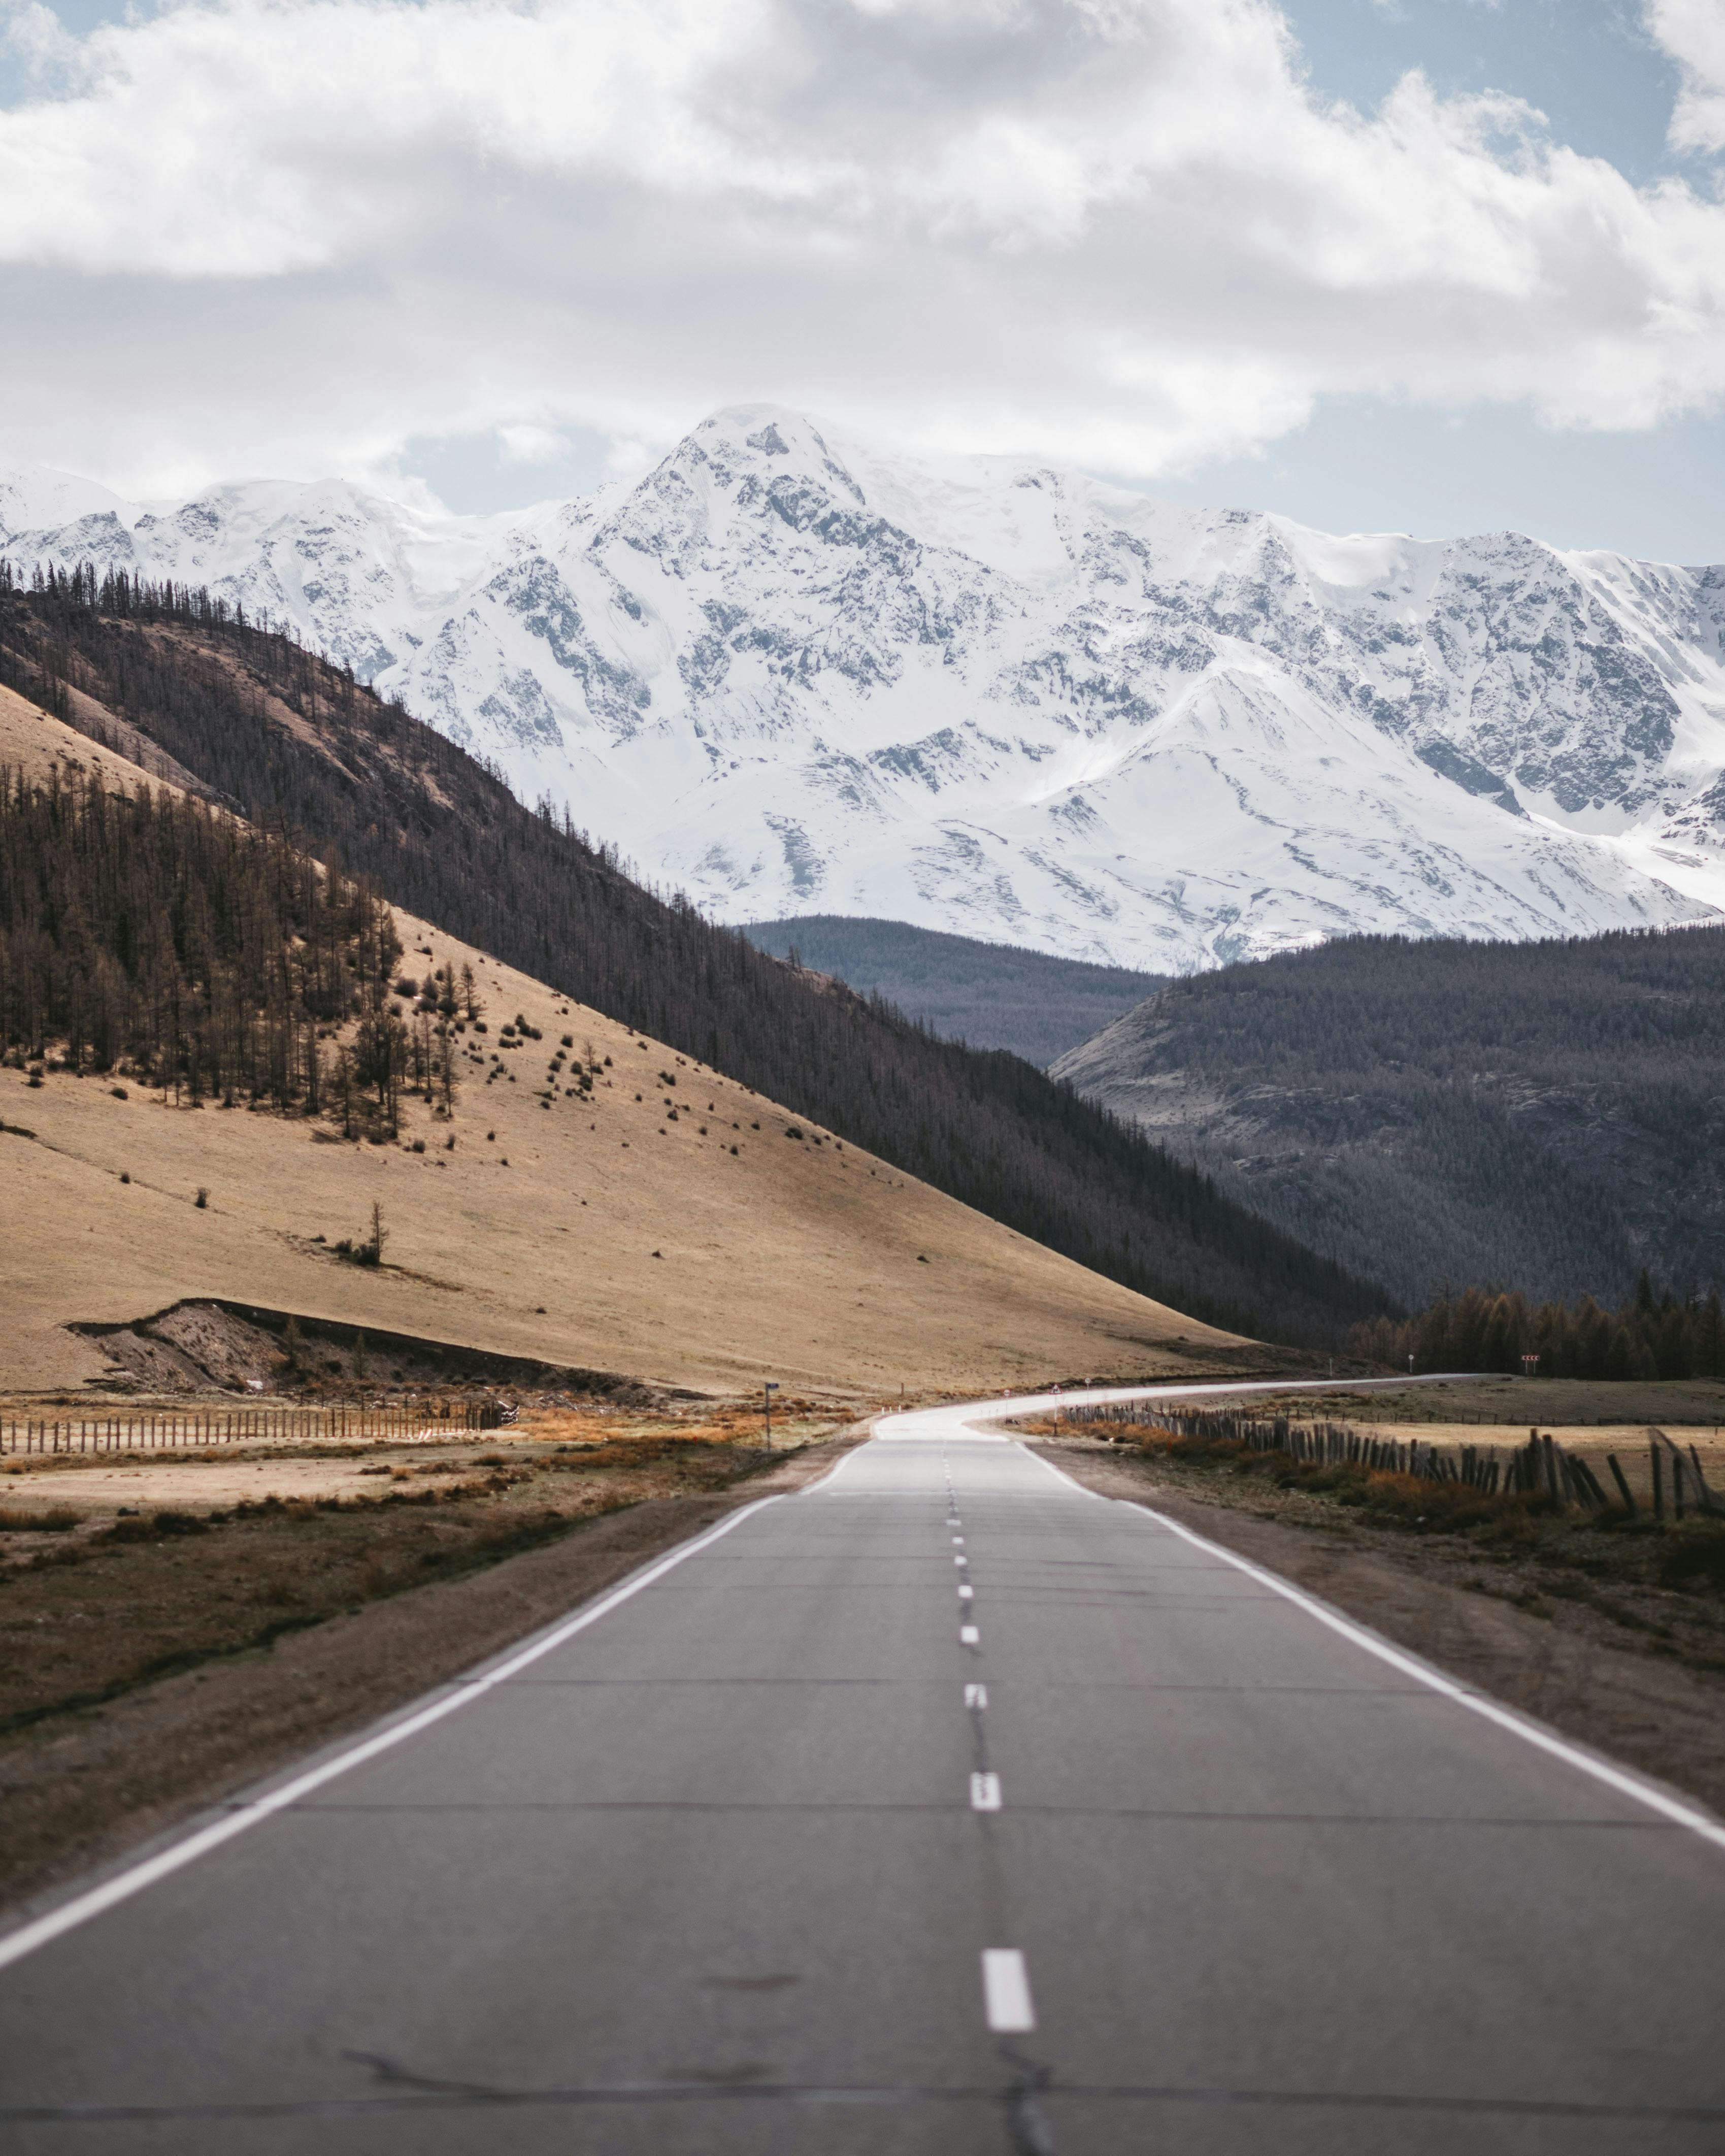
(838, 1466)
(1490, 1710)
(1061, 1475)
(1006, 1992)
(15, 1945)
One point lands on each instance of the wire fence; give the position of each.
(340, 1424)
(1540, 1468)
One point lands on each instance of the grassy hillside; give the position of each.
(1550, 1115)
(660, 1223)
(991, 995)
(297, 745)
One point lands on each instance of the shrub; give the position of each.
(203, 1198)
(1387, 1499)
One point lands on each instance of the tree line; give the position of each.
(1652, 1335)
(299, 746)
(146, 936)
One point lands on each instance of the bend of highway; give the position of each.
(942, 1807)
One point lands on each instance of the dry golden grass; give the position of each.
(93, 1487)
(601, 1234)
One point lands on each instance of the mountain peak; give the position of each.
(788, 669)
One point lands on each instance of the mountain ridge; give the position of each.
(990, 995)
(298, 747)
(1546, 1117)
(789, 673)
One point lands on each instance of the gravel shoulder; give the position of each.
(1652, 1698)
(80, 1786)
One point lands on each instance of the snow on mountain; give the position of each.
(790, 674)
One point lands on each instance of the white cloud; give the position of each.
(1693, 32)
(293, 233)
(525, 443)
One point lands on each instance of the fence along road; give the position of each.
(195, 1429)
(942, 1807)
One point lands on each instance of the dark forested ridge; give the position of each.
(295, 744)
(1550, 1115)
(992, 995)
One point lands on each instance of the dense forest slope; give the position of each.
(293, 742)
(1550, 1116)
(992, 995)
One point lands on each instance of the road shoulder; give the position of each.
(1649, 1713)
(82, 1788)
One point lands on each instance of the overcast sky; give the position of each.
(1417, 264)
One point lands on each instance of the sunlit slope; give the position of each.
(597, 1232)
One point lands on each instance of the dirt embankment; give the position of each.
(179, 1655)
(1633, 1668)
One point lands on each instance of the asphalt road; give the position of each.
(749, 1855)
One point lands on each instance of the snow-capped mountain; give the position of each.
(792, 674)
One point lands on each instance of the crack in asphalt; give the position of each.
(418, 2092)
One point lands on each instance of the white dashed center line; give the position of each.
(1006, 1992)
(1006, 1983)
